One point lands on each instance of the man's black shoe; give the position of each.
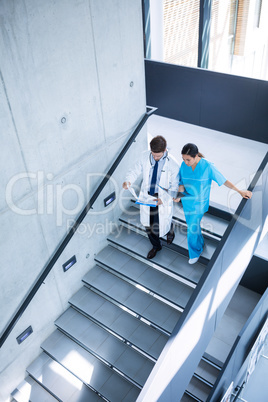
(152, 253)
(170, 237)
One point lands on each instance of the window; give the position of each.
(222, 35)
(181, 30)
(233, 37)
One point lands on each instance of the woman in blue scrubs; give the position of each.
(195, 177)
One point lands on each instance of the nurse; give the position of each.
(195, 177)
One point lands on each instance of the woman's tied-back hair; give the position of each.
(191, 150)
(158, 144)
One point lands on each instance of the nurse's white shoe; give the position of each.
(193, 260)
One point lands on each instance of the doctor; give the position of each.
(157, 168)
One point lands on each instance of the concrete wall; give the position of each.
(71, 91)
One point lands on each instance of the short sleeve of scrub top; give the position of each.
(197, 184)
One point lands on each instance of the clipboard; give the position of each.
(149, 203)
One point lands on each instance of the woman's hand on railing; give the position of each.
(245, 194)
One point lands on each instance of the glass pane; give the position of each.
(181, 29)
(222, 35)
(174, 29)
(239, 38)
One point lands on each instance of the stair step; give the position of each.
(210, 224)
(199, 389)
(207, 371)
(61, 383)
(30, 390)
(115, 319)
(167, 260)
(158, 313)
(105, 347)
(133, 223)
(169, 263)
(66, 387)
(187, 398)
(144, 275)
(235, 316)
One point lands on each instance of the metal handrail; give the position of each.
(57, 253)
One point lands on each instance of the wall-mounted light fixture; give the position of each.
(108, 200)
(68, 264)
(24, 335)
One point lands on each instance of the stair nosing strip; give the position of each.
(41, 385)
(118, 336)
(56, 360)
(114, 301)
(207, 233)
(193, 396)
(165, 270)
(151, 292)
(203, 380)
(205, 359)
(175, 247)
(157, 266)
(218, 365)
(178, 221)
(97, 356)
(221, 211)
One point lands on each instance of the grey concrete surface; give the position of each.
(71, 91)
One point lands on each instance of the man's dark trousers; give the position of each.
(153, 230)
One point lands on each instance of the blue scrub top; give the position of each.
(197, 184)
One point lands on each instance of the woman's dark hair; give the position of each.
(158, 144)
(192, 150)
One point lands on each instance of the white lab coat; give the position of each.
(168, 180)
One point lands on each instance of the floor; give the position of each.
(237, 158)
(238, 311)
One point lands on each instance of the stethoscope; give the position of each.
(164, 157)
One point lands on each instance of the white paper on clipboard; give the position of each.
(133, 192)
(149, 201)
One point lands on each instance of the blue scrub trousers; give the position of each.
(194, 234)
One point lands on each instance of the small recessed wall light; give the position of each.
(68, 264)
(108, 200)
(24, 335)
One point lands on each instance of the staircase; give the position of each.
(108, 340)
(238, 311)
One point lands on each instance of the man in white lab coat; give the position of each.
(160, 173)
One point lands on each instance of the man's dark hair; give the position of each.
(158, 144)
